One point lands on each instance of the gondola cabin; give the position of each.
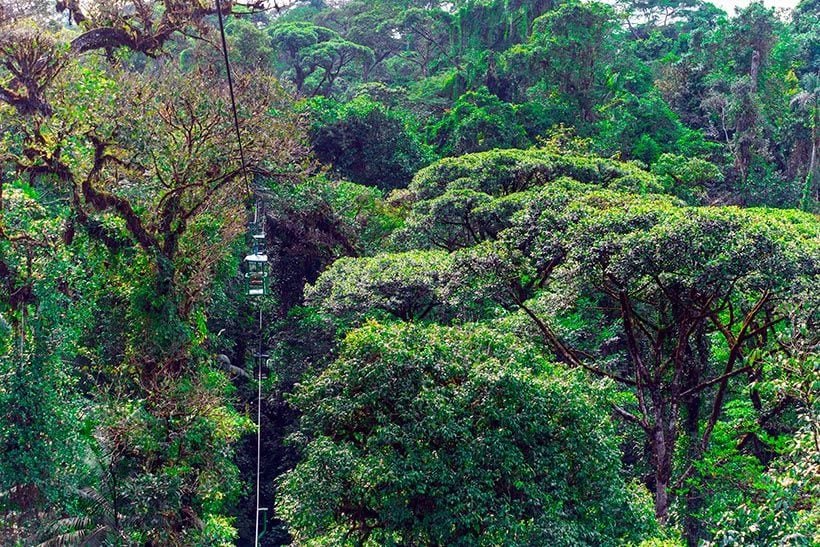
(256, 278)
(258, 243)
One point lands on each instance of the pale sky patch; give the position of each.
(729, 5)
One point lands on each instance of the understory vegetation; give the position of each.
(540, 273)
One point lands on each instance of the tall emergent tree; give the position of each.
(675, 304)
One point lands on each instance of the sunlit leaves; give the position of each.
(407, 285)
(429, 434)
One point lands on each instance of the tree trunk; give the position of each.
(754, 70)
(694, 498)
(813, 163)
(299, 79)
(662, 456)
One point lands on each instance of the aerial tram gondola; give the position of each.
(256, 277)
(256, 282)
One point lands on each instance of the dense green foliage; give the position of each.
(639, 80)
(682, 307)
(541, 273)
(367, 142)
(433, 435)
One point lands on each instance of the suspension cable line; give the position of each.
(232, 94)
(257, 262)
(258, 430)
